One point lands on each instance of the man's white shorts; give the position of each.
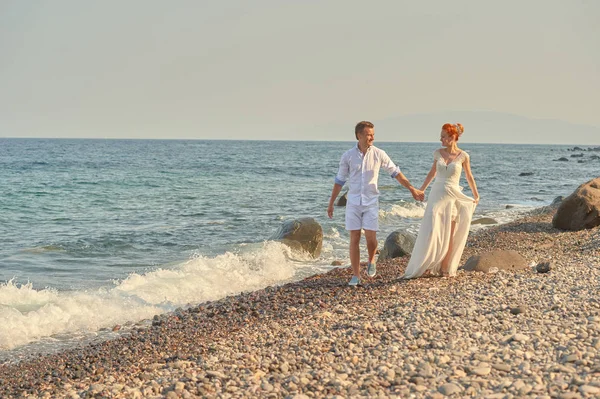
(362, 217)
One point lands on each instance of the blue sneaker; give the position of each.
(371, 269)
(354, 282)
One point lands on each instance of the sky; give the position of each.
(300, 70)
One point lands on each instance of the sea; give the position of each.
(103, 233)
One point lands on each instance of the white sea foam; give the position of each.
(403, 210)
(29, 315)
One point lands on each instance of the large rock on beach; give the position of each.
(580, 210)
(501, 260)
(304, 234)
(397, 244)
(343, 199)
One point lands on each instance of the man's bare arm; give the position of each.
(334, 193)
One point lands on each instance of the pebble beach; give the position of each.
(495, 335)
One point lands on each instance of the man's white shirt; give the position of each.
(361, 172)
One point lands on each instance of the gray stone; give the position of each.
(343, 200)
(449, 389)
(518, 310)
(557, 201)
(544, 267)
(589, 390)
(580, 210)
(502, 260)
(501, 367)
(397, 244)
(215, 374)
(304, 234)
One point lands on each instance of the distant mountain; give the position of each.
(486, 127)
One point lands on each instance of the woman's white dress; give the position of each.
(446, 203)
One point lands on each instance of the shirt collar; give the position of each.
(360, 152)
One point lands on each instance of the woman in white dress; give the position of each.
(445, 225)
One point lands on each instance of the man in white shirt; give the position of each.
(359, 167)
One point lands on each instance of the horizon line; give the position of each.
(278, 140)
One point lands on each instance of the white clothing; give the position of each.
(362, 217)
(446, 203)
(361, 171)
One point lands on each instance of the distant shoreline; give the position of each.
(349, 142)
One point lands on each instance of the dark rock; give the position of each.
(581, 161)
(557, 201)
(576, 155)
(397, 244)
(595, 157)
(336, 263)
(484, 221)
(544, 267)
(580, 210)
(577, 149)
(343, 200)
(518, 310)
(304, 234)
(502, 260)
(509, 206)
(526, 174)
(562, 159)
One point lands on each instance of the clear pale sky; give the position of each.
(294, 69)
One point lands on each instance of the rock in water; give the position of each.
(304, 234)
(580, 210)
(502, 260)
(526, 174)
(343, 199)
(557, 201)
(397, 244)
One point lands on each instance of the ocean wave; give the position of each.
(31, 315)
(403, 210)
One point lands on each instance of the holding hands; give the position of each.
(419, 195)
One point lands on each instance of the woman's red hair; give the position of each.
(453, 130)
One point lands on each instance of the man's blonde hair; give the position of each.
(360, 126)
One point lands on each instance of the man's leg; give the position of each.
(355, 252)
(371, 226)
(371, 237)
(354, 226)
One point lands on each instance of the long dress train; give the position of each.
(446, 203)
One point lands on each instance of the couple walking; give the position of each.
(445, 225)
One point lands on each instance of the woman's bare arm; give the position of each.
(471, 179)
(430, 176)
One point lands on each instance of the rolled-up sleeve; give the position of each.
(388, 165)
(344, 170)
